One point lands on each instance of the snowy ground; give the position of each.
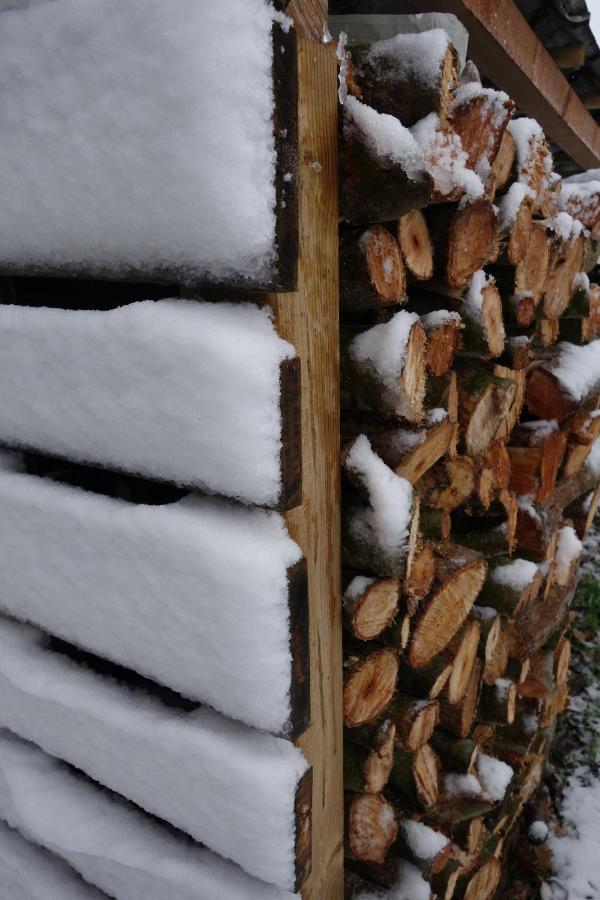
(576, 850)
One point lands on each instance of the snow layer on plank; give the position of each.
(386, 521)
(516, 574)
(148, 141)
(28, 872)
(209, 776)
(446, 158)
(412, 57)
(495, 776)
(386, 139)
(109, 842)
(175, 389)
(423, 841)
(382, 349)
(578, 368)
(193, 594)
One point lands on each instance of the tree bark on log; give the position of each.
(372, 272)
(367, 769)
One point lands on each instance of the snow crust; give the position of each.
(472, 305)
(578, 368)
(358, 586)
(568, 548)
(455, 783)
(592, 463)
(538, 831)
(148, 142)
(527, 135)
(582, 200)
(516, 574)
(193, 594)
(175, 389)
(412, 57)
(382, 350)
(424, 842)
(510, 204)
(29, 873)
(409, 885)
(385, 137)
(496, 108)
(567, 227)
(385, 522)
(576, 853)
(209, 776)
(447, 160)
(439, 317)
(495, 776)
(110, 843)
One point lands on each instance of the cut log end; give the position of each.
(369, 687)
(372, 827)
(415, 244)
(368, 614)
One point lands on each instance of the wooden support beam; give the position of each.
(308, 318)
(506, 49)
(571, 56)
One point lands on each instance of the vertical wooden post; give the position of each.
(309, 319)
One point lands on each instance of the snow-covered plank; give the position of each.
(144, 139)
(110, 843)
(194, 594)
(203, 394)
(27, 872)
(231, 788)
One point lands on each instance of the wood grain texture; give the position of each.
(508, 51)
(309, 320)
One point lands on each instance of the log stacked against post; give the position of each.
(471, 458)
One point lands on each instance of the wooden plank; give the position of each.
(290, 381)
(309, 320)
(300, 649)
(303, 816)
(506, 49)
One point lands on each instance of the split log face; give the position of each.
(464, 238)
(371, 827)
(460, 579)
(377, 80)
(482, 885)
(484, 332)
(463, 648)
(369, 686)
(371, 270)
(519, 234)
(502, 165)
(458, 718)
(420, 578)
(367, 769)
(448, 484)
(534, 469)
(485, 401)
(416, 775)
(558, 287)
(531, 271)
(480, 121)
(415, 245)
(546, 398)
(580, 445)
(372, 610)
(443, 343)
(414, 719)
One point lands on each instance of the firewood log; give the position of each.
(481, 313)
(493, 644)
(370, 605)
(566, 263)
(415, 244)
(460, 574)
(514, 410)
(516, 208)
(510, 585)
(444, 338)
(414, 720)
(429, 681)
(548, 393)
(537, 450)
(369, 685)
(582, 512)
(419, 579)
(462, 650)
(367, 769)
(517, 353)
(379, 183)
(531, 270)
(459, 754)
(547, 331)
(482, 885)
(502, 165)
(371, 270)
(464, 239)
(480, 117)
(581, 200)
(469, 835)
(459, 717)
(533, 160)
(485, 401)
(415, 840)
(580, 443)
(385, 367)
(371, 826)
(435, 524)
(498, 702)
(449, 483)
(416, 776)
(408, 451)
(376, 77)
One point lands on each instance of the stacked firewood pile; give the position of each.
(470, 382)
